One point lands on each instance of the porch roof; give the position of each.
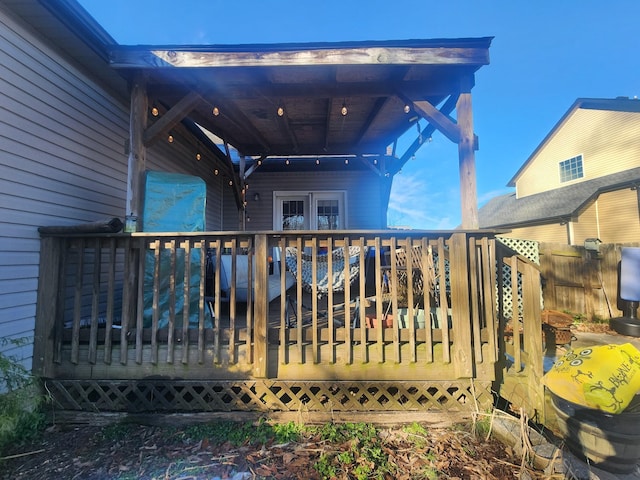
(312, 83)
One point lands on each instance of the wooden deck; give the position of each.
(141, 323)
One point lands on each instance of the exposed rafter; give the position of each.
(283, 121)
(247, 82)
(171, 118)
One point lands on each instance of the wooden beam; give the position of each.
(467, 163)
(48, 307)
(532, 326)
(254, 166)
(287, 91)
(224, 158)
(137, 151)
(173, 116)
(373, 114)
(145, 57)
(327, 124)
(236, 180)
(438, 119)
(446, 109)
(369, 165)
(230, 113)
(283, 121)
(220, 126)
(462, 357)
(224, 162)
(261, 307)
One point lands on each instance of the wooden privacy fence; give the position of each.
(582, 281)
(203, 321)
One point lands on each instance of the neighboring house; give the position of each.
(582, 182)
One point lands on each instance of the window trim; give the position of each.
(579, 158)
(311, 205)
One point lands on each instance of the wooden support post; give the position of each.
(261, 307)
(466, 155)
(532, 326)
(460, 306)
(133, 209)
(47, 307)
(137, 151)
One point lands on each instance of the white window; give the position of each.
(571, 169)
(309, 210)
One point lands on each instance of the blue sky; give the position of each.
(544, 56)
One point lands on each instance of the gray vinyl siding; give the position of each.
(62, 162)
(365, 206)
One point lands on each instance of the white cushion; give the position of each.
(242, 262)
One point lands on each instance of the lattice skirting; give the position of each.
(267, 395)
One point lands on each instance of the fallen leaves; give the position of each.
(148, 453)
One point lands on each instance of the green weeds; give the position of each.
(237, 434)
(361, 453)
(21, 417)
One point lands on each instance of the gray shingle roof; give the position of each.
(554, 205)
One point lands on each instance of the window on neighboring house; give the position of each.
(571, 169)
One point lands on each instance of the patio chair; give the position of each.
(339, 256)
(412, 275)
(420, 278)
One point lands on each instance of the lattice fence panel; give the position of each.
(268, 395)
(528, 249)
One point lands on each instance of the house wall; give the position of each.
(618, 216)
(554, 233)
(613, 218)
(62, 162)
(365, 208)
(608, 141)
(587, 226)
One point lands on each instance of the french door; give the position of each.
(309, 210)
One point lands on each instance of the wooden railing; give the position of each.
(179, 306)
(520, 332)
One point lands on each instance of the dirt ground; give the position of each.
(151, 452)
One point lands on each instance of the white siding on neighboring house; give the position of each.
(607, 140)
(619, 217)
(554, 233)
(62, 162)
(587, 225)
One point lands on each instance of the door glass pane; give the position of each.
(328, 212)
(293, 215)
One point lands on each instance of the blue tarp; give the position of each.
(173, 203)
